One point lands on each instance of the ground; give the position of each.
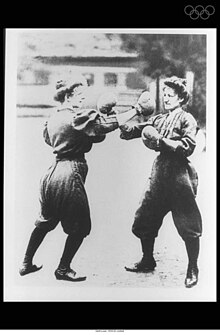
(117, 174)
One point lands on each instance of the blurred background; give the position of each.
(128, 63)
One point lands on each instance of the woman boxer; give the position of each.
(172, 185)
(71, 131)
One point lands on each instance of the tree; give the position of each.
(163, 55)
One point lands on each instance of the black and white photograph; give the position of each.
(110, 165)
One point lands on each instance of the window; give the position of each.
(90, 78)
(110, 79)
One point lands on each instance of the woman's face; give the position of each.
(77, 96)
(170, 98)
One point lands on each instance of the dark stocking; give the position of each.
(147, 248)
(73, 242)
(36, 238)
(192, 248)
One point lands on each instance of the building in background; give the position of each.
(46, 56)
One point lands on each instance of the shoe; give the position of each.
(142, 266)
(191, 277)
(28, 268)
(68, 274)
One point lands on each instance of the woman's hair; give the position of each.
(179, 86)
(64, 87)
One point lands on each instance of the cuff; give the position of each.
(170, 144)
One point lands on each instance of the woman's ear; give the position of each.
(181, 100)
(67, 98)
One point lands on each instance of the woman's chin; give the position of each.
(167, 108)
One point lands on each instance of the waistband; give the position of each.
(70, 157)
(172, 155)
(172, 158)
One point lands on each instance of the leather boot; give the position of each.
(192, 247)
(64, 272)
(147, 263)
(191, 276)
(28, 268)
(68, 274)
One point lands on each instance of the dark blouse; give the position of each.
(72, 132)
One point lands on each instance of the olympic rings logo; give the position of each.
(199, 11)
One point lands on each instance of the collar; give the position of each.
(175, 111)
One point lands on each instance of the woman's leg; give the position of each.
(147, 222)
(72, 245)
(188, 221)
(35, 240)
(192, 248)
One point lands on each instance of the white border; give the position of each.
(9, 175)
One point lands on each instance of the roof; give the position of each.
(70, 43)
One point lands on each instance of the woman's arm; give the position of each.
(93, 123)
(186, 145)
(129, 132)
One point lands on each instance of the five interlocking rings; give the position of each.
(199, 11)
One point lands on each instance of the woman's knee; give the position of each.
(76, 229)
(46, 225)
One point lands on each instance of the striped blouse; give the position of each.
(178, 126)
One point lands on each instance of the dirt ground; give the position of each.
(117, 173)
